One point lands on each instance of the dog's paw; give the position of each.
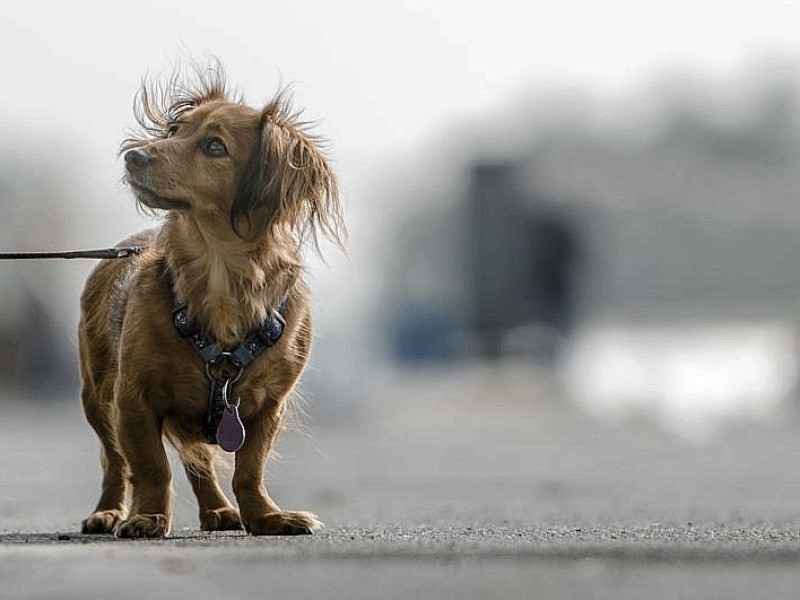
(221, 519)
(284, 523)
(144, 526)
(102, 521)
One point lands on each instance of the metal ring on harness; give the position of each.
(230, 405)
(231, 360)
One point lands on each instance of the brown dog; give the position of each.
(210, 325)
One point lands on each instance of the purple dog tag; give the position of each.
(230, 431)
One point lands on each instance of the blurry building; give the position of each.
(491, 277)
(696, 221)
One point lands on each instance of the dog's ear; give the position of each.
(287, 185)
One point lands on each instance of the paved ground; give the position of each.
(451, 485)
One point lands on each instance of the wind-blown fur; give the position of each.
(242, 190)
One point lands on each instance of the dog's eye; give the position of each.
(214, 147)
(172, 130)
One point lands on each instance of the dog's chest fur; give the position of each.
(231, 286)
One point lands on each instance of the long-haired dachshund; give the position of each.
(201, 338)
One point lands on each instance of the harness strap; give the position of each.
(214, 356)
(216, 408)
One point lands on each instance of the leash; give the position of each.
(104, 253)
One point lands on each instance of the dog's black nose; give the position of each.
(137, 158)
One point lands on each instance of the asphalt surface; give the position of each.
(433, 486)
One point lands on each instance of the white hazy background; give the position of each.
(395, 86)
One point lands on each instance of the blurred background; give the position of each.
(574, 228)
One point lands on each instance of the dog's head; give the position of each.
(257, 172)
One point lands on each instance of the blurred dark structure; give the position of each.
(489, 278)
(37, 352)
(520, 258)
(35, 356)
(688, 217)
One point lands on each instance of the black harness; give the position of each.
(225, 367)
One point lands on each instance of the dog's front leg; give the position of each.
(139, 435)
(216, 513)
(260, 514)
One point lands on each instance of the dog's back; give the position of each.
(106, 291)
